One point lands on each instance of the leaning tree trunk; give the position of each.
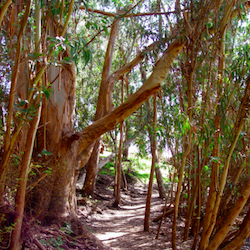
(53, 198)
(242, 234)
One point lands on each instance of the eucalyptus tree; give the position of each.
(46, 82)
(41, 116)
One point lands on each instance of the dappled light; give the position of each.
(124, 124)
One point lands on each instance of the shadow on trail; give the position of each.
(123, 228)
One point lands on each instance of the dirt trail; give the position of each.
(123, 228)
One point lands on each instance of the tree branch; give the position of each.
(151, 86)
(111, 14)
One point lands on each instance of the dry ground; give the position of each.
(111, 229)
(123, 228)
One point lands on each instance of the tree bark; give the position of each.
(158, 174)
(104, 106)
(23, 176)
(228, 223)
(150, 184)
(242, 234)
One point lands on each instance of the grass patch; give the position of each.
(139, 168)
(108, 169)
(143, 177)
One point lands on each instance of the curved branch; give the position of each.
(151, 86)
(4, 9)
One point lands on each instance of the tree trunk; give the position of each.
(242, 234)
(92, 170)
(23, 176)
(119, 171)
(158, 174)
(229, 221)
(53, 198)
(186, 151)
(160, 183)
(150, 184)
(104, 106)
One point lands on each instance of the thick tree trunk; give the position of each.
(53, 198)
(229, 221)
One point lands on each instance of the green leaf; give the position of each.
(46, 92)
(45, 152)
(215, 159)
(23, 103)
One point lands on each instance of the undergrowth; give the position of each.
(137, 167)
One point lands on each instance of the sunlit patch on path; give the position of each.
(123, 228)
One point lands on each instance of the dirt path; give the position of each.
(123, 228)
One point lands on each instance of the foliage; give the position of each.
(108, 169)
(202, 108)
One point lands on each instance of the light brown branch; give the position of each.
(111, 14)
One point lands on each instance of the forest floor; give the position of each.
(107, 228)
(122, 228)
